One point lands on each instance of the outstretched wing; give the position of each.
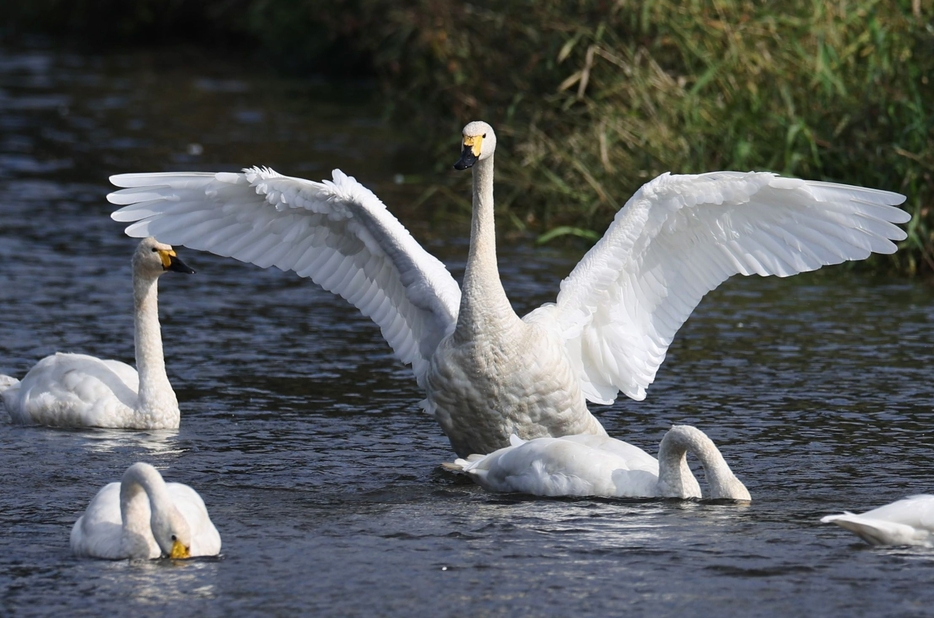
(338, 233)
(679, 237)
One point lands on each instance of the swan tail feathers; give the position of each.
(458, 465)
(465, 465)
(879, 532)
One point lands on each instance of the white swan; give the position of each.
(488, 373)
(904, 522)
(588, 465)
(143, 517)
(76, 390)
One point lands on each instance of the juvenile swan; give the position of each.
(905, 522)
(487, 373)
(588, 465)
(143, 517)
(76, 390)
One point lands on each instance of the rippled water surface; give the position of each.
(303, 434)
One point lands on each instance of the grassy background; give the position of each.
(592, 99)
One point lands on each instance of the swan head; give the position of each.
(154, 258)
(478, 144)
(172, 533)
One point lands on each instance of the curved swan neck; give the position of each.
(483, 302)
(142, 494)
(155, 391)
(672, 462)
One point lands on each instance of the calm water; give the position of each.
(303, 434)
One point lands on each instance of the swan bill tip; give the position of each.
(179, 551)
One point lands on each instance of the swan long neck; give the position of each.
(672, 465)
(484, 306)
(142, 493)
(155, 392)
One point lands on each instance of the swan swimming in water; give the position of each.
(588, 465)
(904, 522)
(77, 390)
(143, 517)
(488, 373)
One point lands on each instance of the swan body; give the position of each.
(588, 465)
(143, 517)
(76, 390)
(488, 373)
(904, 522)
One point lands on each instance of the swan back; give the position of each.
(683, 439)
(579, 465)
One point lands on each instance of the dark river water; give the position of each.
(303, 435)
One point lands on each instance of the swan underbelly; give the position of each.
(483, 390)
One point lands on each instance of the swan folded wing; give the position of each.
(679, 237)
(99, 531)
(337, 233)
(75, 389)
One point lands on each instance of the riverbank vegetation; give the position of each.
(591, 99)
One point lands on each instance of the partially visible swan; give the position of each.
(904, 522)
(588, 465)
(76, 390)
(143, 517)
(487, 373)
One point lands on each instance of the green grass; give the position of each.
(590, 103)
(590, 99)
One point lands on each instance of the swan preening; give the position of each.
(588, 465)
(76, 390)
(904, 522)
(143, 517)
(487, 373)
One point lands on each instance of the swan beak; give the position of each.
(171, 262)
(179, 551)
(471, 152)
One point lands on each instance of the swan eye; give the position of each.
(484, 136)
(174, 538)
(154, 250)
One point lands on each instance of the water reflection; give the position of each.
(154, 583)
(153, 442)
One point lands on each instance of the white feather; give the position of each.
(904, 522)
(486, 373)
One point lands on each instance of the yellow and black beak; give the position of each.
(170, 261)
(471, 152)
(179, 551)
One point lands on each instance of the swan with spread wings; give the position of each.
(487, 372)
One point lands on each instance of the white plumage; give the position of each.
(588, 465)
(904, 522)
(143, 517)
(487, 373)
(76, 390)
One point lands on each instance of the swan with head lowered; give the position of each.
(488, 373)
(143, 517)
(588, 465)
(77, 390)
(903, 522)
